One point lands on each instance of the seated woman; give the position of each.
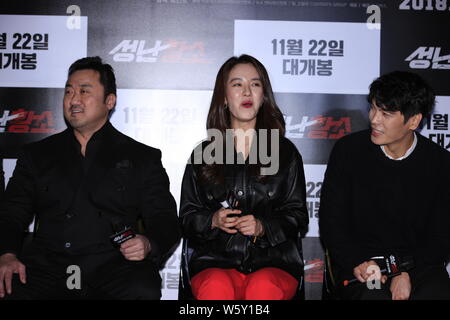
(251, 250)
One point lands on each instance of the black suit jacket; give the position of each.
(126, 179)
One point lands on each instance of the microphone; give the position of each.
(121, 233)
(125, 233)
(227, 200)
(392, 266)
(220, 194)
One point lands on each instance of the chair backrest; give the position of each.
(300, 295)
(184, 283)
(329, 282)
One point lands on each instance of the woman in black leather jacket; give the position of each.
(252, 250)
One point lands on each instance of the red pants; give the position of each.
(230, 284)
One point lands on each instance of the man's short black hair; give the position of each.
(402, 91)
(107, 78)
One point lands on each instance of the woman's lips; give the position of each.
(247, 104)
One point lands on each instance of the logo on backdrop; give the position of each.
(429, 58)
(27, 121)
(172, 51)
(314, 270)
(318, 127)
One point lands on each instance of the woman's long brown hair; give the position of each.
(269, 115)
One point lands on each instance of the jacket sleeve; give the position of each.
(334, 213)
(16, 209)
(159, 210)
(195, 215)
(290, 217)
(434, 245)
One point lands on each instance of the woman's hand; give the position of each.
(221, 220)
(248, 225)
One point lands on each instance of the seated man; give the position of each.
(386, 192)
(84, 185)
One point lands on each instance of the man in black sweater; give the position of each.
(387, 192)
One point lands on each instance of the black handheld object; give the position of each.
(390, 266)
(122, 235)
(226, 199)
(121, 231)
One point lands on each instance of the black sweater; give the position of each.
(372, 205)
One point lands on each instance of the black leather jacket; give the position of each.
(279, 203)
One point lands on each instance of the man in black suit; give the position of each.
(83, 185)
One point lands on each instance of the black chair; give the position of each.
(329, 280)
(184, 284)
(300, 294)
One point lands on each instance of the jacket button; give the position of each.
(240, 193)
(210, 197)
(270, 193)
(68, 244)
(69, 215)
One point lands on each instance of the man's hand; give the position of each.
(248, 225)
(367, 270)
(136, 249)
(221, 220)
(401, 287)
(9, 264)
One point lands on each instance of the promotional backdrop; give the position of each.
(321, 57)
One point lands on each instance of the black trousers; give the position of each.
(432, 283)
(103, 276)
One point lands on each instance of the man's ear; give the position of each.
(110, 101)
(414, 121)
